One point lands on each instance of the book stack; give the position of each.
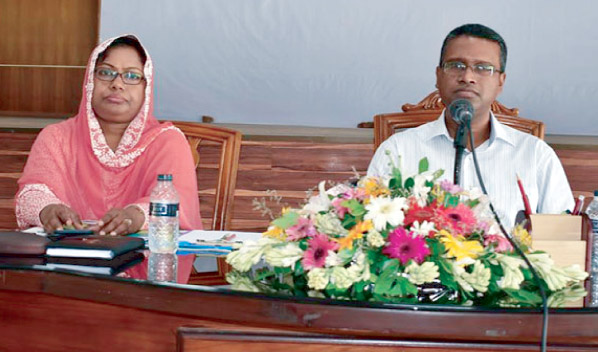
(83, 253)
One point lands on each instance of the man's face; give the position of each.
(481, 90)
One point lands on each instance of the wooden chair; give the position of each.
(430, 108)
(205, 135)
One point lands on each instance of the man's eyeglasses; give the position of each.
(109, 75)
(457, 67)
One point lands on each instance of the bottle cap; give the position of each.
(596, 193)
(168, 177)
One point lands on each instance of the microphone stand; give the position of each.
(460, 143)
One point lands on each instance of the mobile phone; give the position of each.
(58, 234)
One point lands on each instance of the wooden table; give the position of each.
(45, 310)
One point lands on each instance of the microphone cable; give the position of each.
(514, 244)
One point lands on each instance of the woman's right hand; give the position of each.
(56, 216)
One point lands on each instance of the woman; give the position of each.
(103, 163)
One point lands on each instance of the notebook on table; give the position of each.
(95, 265)
(22, 244)
(100, 247)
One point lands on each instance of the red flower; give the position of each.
(458, 220)
(404, 246)
(420, 214)
(316, 253)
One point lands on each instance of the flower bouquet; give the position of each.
(399, 239)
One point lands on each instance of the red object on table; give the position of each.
(528, 209)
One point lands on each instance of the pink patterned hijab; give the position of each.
(71, 163)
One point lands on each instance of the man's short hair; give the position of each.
(479, 31)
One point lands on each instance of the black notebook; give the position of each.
(94, 265)
(101, 247)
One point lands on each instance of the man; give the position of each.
(472, 67)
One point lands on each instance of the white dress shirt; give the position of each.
(505, 154)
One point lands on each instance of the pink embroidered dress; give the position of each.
(71, 163)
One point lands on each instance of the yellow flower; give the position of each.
(457, 247)
(275, 232)
(355, 233)
(374, 187)
(522, 235)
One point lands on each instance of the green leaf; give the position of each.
(355, 207)
(403, 287)
(349, 221)
(524, 296)
(287, 220)
(409, 183)
(397, 178)
(282, 270)
(264, 274)
(387, 278)
(451, 201)
(423, 165)
(298, 268)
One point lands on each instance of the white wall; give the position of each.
(339, 62)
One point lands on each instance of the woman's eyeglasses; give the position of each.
(109, 75)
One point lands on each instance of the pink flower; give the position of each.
(450, 187)
(355, 193)
(303, 228)
(316, 253)
(340, 210)
(404, 246)
(500, 242)
(459, 220)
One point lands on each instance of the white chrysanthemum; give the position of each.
(477, 280)
(360, 267)
(315, 294)
(375, 239)
(568, 294)
(318, 203)
(318, 278)
(513, 277)
(241, 282)
(283, 256)
(330, 224)
(384, 210)
(342, 278)
(250, 253)
(332, 259)
(556, 278)
(420, 190)
(422, 229)
(420, 274)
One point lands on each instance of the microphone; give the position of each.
(461, 111)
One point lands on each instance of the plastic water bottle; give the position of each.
(163, 231)
(592, 212)
(162, 267)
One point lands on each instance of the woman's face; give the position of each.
(114, 101)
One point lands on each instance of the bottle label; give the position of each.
(163, 209)
(594, 225)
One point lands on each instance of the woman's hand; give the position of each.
(119, 221)
(56, 216)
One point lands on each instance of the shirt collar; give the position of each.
(497, 130)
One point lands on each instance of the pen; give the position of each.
(578, 205)
(528, 209)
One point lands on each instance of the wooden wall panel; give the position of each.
(43, 53)
(48, 32)
(54, 91)
(286, 167)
